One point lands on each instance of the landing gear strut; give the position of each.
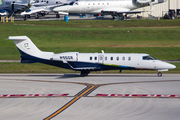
(57, 16)
(159, 74)
(37, 16)
(84, 73)
(25, 17)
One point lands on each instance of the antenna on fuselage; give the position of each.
(102, 51)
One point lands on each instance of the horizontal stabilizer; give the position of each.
(15, 38)
(28, 61)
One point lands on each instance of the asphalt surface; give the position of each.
(96, 97)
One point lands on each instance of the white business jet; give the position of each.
(43, 7)
(10, 7)
(86, 62)
(116, 8)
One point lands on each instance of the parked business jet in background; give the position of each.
(86, 62)
(10, 7)
(116, 8)
(43, 7)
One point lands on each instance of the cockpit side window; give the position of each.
(148, 58)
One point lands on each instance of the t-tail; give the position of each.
(29, 52)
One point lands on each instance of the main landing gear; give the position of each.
(84, 73)
(159, 74)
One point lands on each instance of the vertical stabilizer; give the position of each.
(28, 48)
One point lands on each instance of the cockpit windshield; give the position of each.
(71, 3)
(148, 58)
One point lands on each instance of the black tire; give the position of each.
(122, 17)
(57, 16)
(25, 17)
(28, 16)
(37, 16)
(159, 74)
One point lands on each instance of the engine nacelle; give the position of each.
(142, 2)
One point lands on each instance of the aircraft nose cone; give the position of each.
(170, 66)
(165, 65)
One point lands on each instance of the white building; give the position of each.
(160, 9)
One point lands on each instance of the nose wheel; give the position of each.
(159, 74)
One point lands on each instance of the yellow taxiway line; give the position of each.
(78, 96)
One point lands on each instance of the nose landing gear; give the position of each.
(159, 74)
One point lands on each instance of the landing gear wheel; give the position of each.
(122, 18)
(43, 14)
(37, 16)
(113, 17)
(28, 16)
(84, 73)
(25, 17)
(159, 74)
(57, 16)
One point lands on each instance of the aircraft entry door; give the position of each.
(101, 58)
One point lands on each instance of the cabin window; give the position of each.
(117, 58)
(102, 3)
(148, 58)
(107, 3)
(95, 58)
(88, 3)
(90, 58)
(129, 58)
(105, 58)
(123, 58)
(47, 2)
(98, 3)
(111, 58)
(93, 3)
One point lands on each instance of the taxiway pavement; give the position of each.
(96, 97)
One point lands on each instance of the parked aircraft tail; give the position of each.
(29, 51)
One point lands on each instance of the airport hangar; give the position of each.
(160, 9)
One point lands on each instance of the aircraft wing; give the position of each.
(120, 12)
(33, 10)
(79, 68)
(86, 68)
(40, 9)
